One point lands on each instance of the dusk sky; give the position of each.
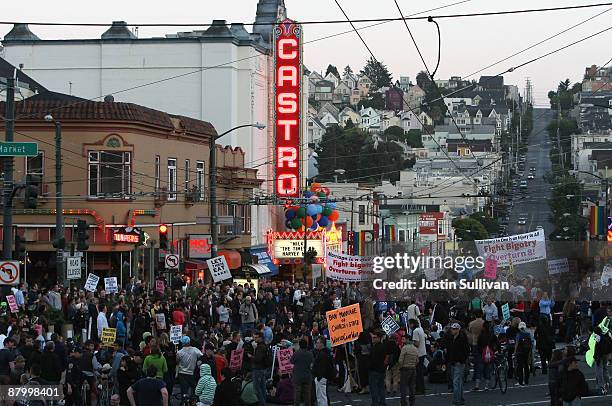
(468, 44)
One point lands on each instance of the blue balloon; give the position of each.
(319, 209)
(314, 226)
(307, 193)
(323, 221)
(311, 209)
(331, 205)
(290, 214)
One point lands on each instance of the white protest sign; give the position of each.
(520, 248)
(557, 266)
(218, 268)
(606, 275)
(73, 268)
(349, 268)
(176, 332)
(110, 285)
(390, 326)
(92, 282)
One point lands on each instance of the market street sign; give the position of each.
(18, 149)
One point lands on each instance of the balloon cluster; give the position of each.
(316, 214)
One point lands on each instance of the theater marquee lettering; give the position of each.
(287, 128)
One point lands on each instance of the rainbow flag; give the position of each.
(359, 243)
(390, 233)
(597, 221)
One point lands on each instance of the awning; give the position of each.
(195, 265)
(263, 258)
(260, 269)
(234, 261)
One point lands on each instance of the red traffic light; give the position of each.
(163, 229)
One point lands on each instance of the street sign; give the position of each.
(18, 149)
(9, 273)
(172, 261)
(73, 268)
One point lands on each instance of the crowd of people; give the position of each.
(55, 337)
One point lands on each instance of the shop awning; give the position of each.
(195, 265)
(234, 261)
(260, 269)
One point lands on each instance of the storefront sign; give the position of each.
(284, 360)
(518, 249)
(349, 268)
(344, 324)
(295, 248)
(428, 223)
(92, 282)
(263, 258)
(126, 234)
(236, 359)
(287, 108)
(200, 246)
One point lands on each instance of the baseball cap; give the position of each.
(185, 340)
(456, 325)
(522, 325)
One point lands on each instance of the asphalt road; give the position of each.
(438, 395)
(532, 202)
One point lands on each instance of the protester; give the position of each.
(457, 352)
(407, 362)
(302, 361)
(148, 391)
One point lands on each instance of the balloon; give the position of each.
(311, 209)
(314, 198)
(307, 193)
(315, 226)
(319, 209)
(288, 224)
(296, 223)
(321, 194)
(323, 221)
(325, 190)
(327, 211)
(315, 187)
(334, 216)
(301, 212)
(290, 214)
(309, 221)
(331, 205)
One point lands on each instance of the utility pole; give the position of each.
(59, 224)
(558, 132)
(7, 221)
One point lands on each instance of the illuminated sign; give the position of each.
(609, 237)
(127, 234)
(428, 223)
(295, 248)
(288, 246)
(287, 102)
(200, 246)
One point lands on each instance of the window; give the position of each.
(35, 167)
(109, 173)
(200, 178)
(157, 172)
(187, 175)
(402, 236)
(362, 214)
(171, 179)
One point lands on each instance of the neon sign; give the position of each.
(287, 102)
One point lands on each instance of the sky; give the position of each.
(468, 44)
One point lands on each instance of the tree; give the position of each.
(412, 138)
(339, 149)
(382, 161)
(376, 101)
(564, 86)
(347, 70)
(468, 229)
(332, 69)
(564, 206)
(378, 74)
(423, 80)
(489, 223)
(349, 124)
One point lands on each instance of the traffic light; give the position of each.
(59, 243)
(163, 237)
(82, 237)
(19, 248)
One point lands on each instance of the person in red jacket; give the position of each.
(178, 316)
(220, 363)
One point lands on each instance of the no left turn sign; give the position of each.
(9, 273)
(172, 261)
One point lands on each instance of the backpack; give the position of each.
(487, 355)
(524, 345)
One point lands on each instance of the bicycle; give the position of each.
(500, 370)
(185, 400)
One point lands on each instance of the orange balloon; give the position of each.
(309, 221)
(315, 187)
(334, 216)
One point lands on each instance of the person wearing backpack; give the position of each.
(522, 352)
(487, 344)
(323, 371)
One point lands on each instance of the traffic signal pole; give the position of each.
(7, 220)
(59, 224)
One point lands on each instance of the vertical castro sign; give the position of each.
(287, 122)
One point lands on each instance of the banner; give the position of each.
(390, 326)
(236, 359)
(12, 302)
(344, 324)
(284, 360)
(516, 249)
(218, 268)
(110, 285)
(557, 266)
(176, 332)
(506, 311)
(349, 268)
(160, 321)
(92, 282)
(109, 335)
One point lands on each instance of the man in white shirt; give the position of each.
(418, 340)
(413, 311)
(102, 321)
(490, 310)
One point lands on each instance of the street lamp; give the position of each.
(59, 224)
(213, 184)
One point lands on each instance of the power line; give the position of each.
(313, 22)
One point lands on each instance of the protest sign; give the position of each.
(110, 285)
(390, 326)
(557, 266)
(344, 324)
(160, 321)
(490, 269)
(109, 335)
(160, 286)
(506, 311)
(284, 360)
(176, 332)
(218, 268)
(92, 282)
(12, 302)
(514, 249)
(236, 359)
(606, 275)
(349, 268)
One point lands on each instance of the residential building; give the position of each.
(349, 114)
(595, 111)
(328, 107)
(324, 91)
(364, 84)
(330, 77)
(597, 79)
(328, 119)
(316, 130)
(355, 97)
(370, 119)
(394, 99)
(390, 118)
(25, 85)
(350, 79)
(404, 83)
(342, 94)
(413, 98)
